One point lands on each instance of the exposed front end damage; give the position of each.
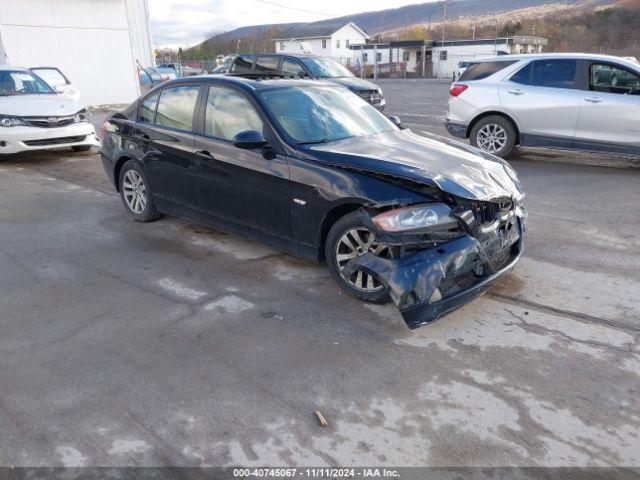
(433, 273)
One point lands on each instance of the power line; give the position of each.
(294, 8)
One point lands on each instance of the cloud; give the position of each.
(186, 22)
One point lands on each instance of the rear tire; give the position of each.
(359, 285)
(135, 193)
(494, 134)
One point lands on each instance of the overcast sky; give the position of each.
(186, 22)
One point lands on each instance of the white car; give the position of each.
(566, 101)
(34, 116)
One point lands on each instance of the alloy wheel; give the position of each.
(491, 138)
(135, 192)
(354, 243)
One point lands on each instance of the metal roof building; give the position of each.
(95, 43)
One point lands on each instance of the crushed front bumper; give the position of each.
(433, 282)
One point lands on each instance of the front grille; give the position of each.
(500, 259)
(54, 141)
(487, 212)
(371, 96)
(49, 122)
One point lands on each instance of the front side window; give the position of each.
(52, 76)
(291, 67)
(346, 43)
(228, 113)
(324, 43)
(147, 112)
(316, 114)
(612, 79)
(443, 55)
(176, 107)
(21, 82)
(281, 45)
(338, 43)
(478, 71)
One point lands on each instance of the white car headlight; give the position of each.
(416, 217)
(11, 122)
(81, 116)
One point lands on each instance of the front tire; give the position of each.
(494, 134)
(348, 239)
(135, 193)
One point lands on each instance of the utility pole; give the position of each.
(473, 34)
(444, 18)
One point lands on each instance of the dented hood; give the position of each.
(452, 166)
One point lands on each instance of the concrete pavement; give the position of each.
(173, 344)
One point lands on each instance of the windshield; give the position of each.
(326, 68)
(20, 82)
(319, 114)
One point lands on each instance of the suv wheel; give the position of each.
(348, 239)
(135, 192)
(495, 135)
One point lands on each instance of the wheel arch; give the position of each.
(117, 168)
(490, 113)
(331, 217)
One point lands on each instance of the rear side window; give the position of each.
(242, 64)
(267, 64)
(177, 106)
(478, 71)
(548, 73)
(147, 112)
(291, 67)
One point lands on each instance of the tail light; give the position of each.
(456, 90)
(102, 131)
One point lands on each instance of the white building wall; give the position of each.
(456, 53)
(347, 35)
(95, 43)
(314, 45)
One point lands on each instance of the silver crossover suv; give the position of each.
(568, 101)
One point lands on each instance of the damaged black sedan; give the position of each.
(313, 169)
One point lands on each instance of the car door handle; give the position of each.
(515, 92)
(206, 154)
(593, 100)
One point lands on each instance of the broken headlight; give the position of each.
(81, 116)
(426, 217)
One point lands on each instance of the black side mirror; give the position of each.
(249, 140)
(396, 120)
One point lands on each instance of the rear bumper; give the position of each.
(456, 129)
(24, 139)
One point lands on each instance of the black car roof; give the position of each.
(288, 55)
(264, 83)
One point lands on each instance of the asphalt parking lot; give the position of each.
(173, 344)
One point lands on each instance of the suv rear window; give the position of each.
(480, 70)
